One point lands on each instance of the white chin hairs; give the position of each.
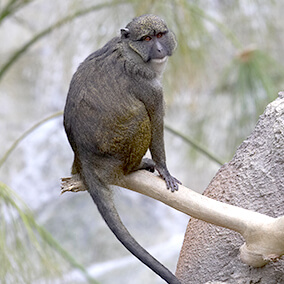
(161, 60)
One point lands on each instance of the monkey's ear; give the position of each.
(125, 33)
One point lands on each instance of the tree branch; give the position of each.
(264, 235)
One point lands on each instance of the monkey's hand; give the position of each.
(171, 182)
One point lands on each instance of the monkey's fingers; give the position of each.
(172, 183)
(179, 182)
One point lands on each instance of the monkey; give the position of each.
(114, 113)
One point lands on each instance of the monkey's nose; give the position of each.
(159, 47)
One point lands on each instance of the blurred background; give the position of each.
(228, 66)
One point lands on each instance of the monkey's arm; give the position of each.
(157, 148)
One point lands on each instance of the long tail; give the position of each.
(103, 199)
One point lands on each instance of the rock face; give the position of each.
(253, 179)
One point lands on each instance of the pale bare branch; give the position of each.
(264, 235)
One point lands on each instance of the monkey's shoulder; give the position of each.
(114, 58)
(105, 51)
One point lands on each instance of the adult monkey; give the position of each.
(114, 114)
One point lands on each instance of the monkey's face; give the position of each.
(149, 37)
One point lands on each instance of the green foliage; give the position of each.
(214, 56)
(4, 68)
(251, 78)
(27, 251)
(11, 7)
(251, 81)
(195, 145)
(25, 134)
(22, 240)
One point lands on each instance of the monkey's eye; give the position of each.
(146, 38)
(159, 35)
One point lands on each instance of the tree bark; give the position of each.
(253, 179)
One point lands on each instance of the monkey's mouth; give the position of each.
(160, 60)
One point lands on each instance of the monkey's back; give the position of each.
(104, 124)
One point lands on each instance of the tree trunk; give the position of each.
(253, 179)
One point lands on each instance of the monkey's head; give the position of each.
(149, 37)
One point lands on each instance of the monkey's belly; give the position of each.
(127, 140)
(139, 146)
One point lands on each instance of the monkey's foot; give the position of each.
(147, 164)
